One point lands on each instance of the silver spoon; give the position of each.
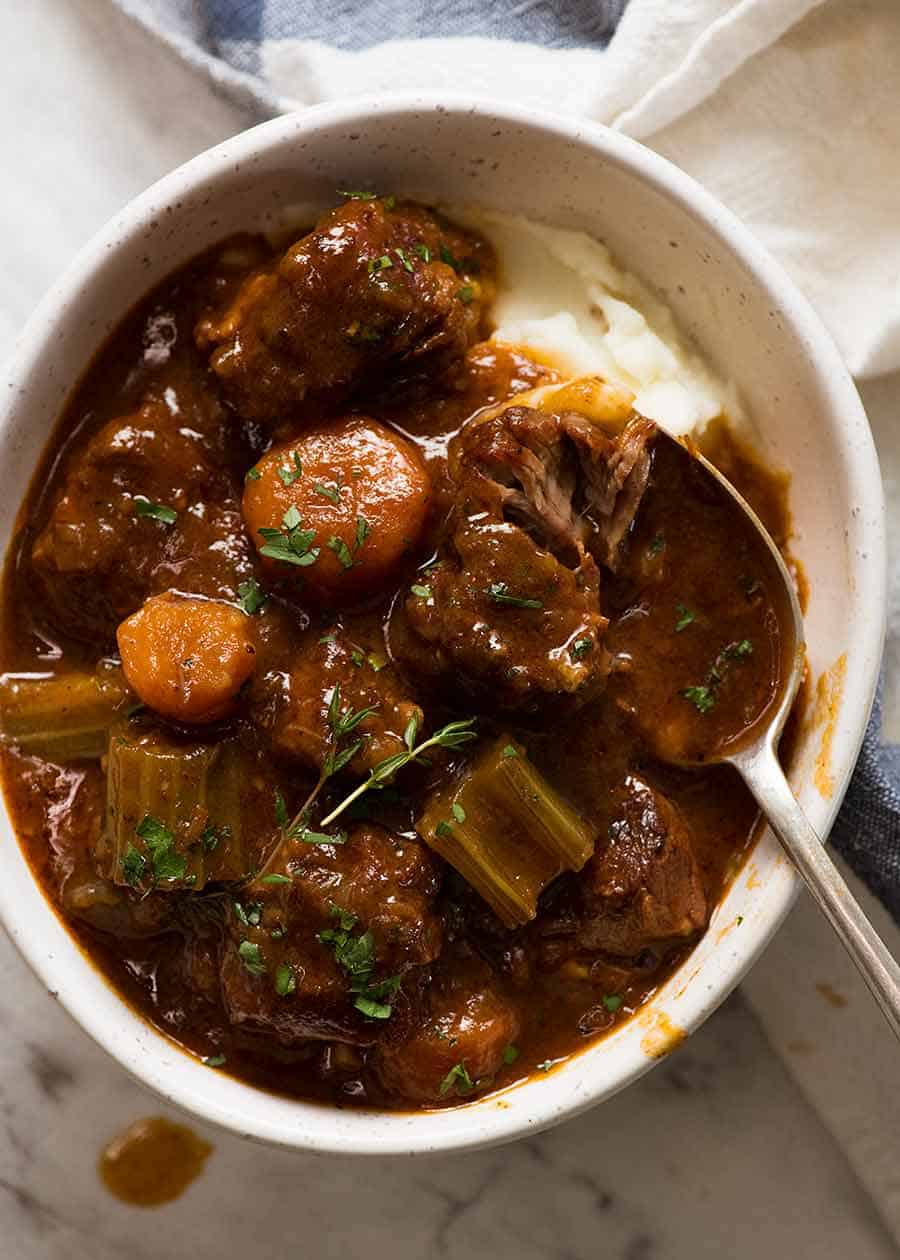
(755, 758)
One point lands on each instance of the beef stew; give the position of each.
(335, 659)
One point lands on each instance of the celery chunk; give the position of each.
(63, 717)
(173, 812)
(506, 830)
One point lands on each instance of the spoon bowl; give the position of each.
(701, 745)
(753, 752)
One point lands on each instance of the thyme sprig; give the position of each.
(341, 723)
(453, 735)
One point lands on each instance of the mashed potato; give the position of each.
(562, 296)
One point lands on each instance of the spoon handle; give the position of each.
(765, 779)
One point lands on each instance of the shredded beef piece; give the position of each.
(574, 488)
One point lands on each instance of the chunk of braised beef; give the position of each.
(500, 615)
(116, 911)
(295, 705)
(74, 798)
(376, 290)
(453, 1045)
(282, 974)
(643, 888)
(143, 508)
(571, 485)
(513, 603)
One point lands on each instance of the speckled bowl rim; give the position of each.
(596, 1072)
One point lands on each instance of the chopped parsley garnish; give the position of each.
(422, 591)
(370, 1000)
(252, 474)
(289, 473)
(275, 878)
(458, 812)
(285, 980)
(378, 264)
(423, 251)
(457, 1079)
(165, 861)
(357, 658)
(612, 1002)
(338, 545)
(248, 914)
(510, 751)
(444, 829)
(212, 835)
(156, 511)
(377, 661)
(465, 294)
(581, 647)
(510, 1054)
(737, 651)
(407, 265)
(657, 544)
(685, 618)
(290, 544)
(447, 256)
(252, 597)
(134, 864)
(281, 814)
(500, 593)
(215, 1060)
(702, 698)
(332, 493)
(347, 921)
(252, 957)
(356, 956)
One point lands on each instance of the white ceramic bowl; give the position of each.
(745, 315)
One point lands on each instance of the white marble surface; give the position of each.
(728, 1149)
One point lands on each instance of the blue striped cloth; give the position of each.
(235, 29)
(226, 37)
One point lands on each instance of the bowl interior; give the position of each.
(746, 319)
